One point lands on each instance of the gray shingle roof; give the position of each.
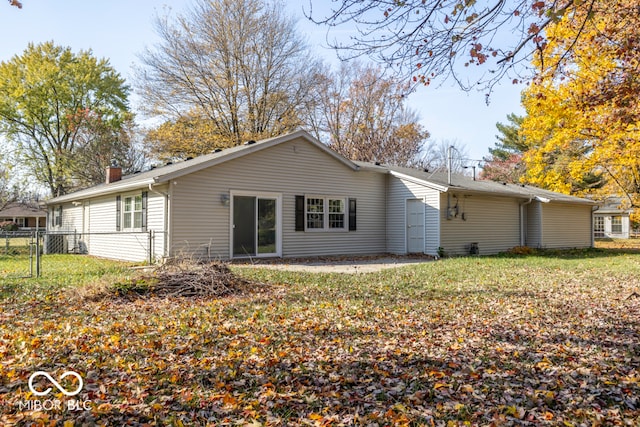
(17, 209)
(171, 171)
(439, 180)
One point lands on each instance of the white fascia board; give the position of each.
(100, 191)
(419, 181)
(258, 146)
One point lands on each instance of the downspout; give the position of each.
(523, 232)
(541, 219)
(166, 218)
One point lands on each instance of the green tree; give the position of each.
(238, 67)
(48, 98)
(504, 162)
(510, 141)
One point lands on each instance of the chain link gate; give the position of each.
(19, 245)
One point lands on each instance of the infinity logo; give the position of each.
(55, 383)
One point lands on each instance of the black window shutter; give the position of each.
(145, 195)
(299, 213)
(118, 212)
(352, 214)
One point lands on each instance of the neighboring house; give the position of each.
(26, 215)
(292, 196)
(611, 221)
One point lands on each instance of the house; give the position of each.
(292, 196)
(612, 221)
(25, 215)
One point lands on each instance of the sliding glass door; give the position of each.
(255, 226)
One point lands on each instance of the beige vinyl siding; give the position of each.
(105, 241)
(492, 222)
(71, 218)
(101, 239)
(201, 223)
(566, 226)
(399, 190)
(71, 228)
(156, 222)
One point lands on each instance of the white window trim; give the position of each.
(325, 226)
(132, 212)
(599, 226)
(616, 221)
(57, 216)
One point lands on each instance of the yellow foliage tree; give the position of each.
(583, 111)
(190, 135)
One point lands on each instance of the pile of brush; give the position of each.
(186, 278)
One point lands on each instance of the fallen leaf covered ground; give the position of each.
(548, 339)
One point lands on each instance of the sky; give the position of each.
(119, 30)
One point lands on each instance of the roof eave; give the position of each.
(259, 146)
(415, 180)
(114, 187)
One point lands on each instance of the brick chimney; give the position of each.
(114, 172)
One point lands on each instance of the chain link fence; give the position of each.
(37, 245)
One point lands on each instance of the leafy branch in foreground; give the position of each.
(430, 39)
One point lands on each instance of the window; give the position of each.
(20, 222)
(324, 213)
(616, 224)
(315, 213)
(132, 212)
(598, 226)
(57, 216)
(336, 213)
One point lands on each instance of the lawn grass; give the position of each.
(18, 281)
(546, 339)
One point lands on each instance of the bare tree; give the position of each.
(435, 156)
(100, 144)
(362, 115)
(240, 63)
